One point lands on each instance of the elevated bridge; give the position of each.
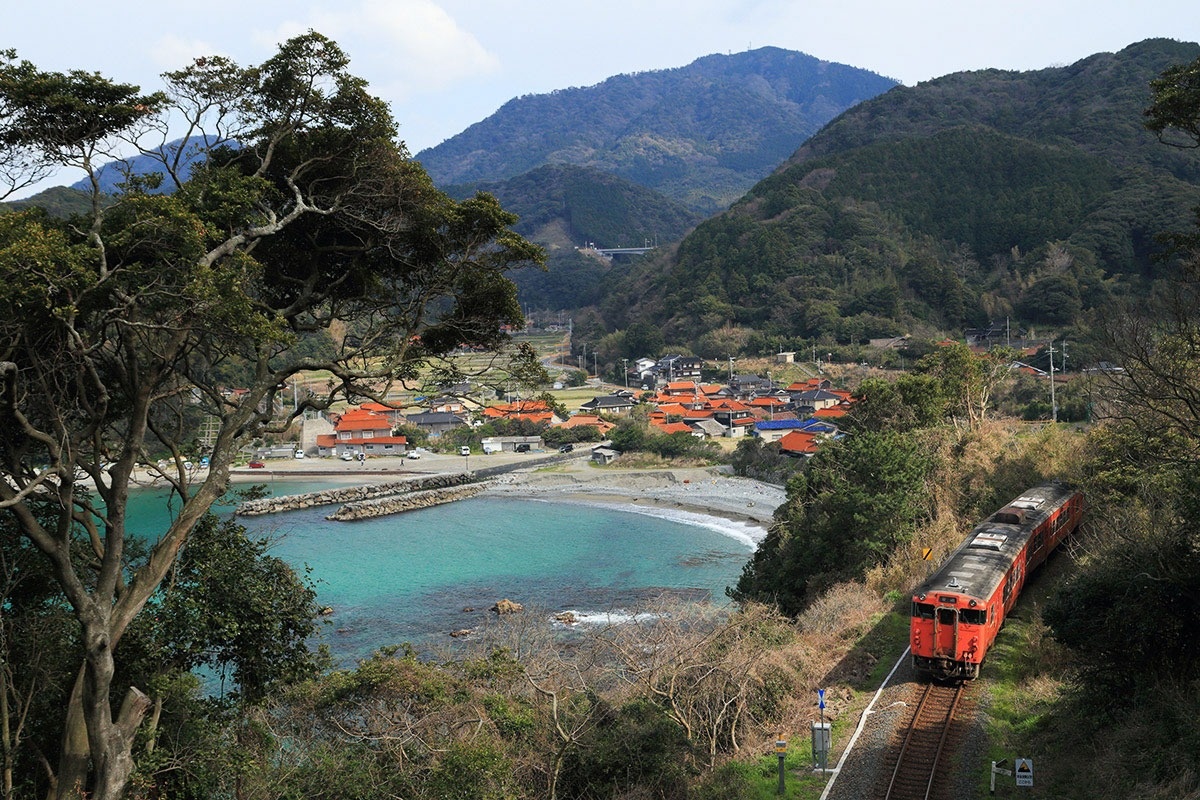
(609, 252)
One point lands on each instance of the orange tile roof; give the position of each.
(673, 408)
(727, 404)
(672, 427)
(799, 442)
(830, 413)
(379, 440)
(357, 419)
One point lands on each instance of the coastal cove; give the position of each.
(601, 546)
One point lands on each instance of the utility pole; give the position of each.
(625, 369)
(731, 371)
(1053, 404)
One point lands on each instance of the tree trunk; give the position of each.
(73, 761)
(108, 741)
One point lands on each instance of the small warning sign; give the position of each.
(926, 553)
(1024, 772)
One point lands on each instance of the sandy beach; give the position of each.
(705, 490)
(710, 491)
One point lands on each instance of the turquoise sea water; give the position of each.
(409, 577)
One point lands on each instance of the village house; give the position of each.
(435, 423)
(360, 431)
(531, 410)
(609, 404)
(799, 443)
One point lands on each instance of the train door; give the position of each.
(945, 633)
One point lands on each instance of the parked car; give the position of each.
(464, 451)
(522, 447)
(346, 456)
(413, 454)
(257, 465)
(566, 448)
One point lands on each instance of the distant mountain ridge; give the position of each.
(114, 173)
(701, 134)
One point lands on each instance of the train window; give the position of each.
(922, 610)
(973, 616)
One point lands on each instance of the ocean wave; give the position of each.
(747, 533)
(614, 617)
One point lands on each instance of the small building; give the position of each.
(435, 423)
(799, 443)
(773, 430)
(709, 428)
(604, 455)
(609, 404)
(511, 444)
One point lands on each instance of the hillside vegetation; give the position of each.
(1034, 196)
(563, 208)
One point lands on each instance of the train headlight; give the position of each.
(920, 597)
(973, 604)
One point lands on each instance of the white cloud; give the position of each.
(407, 45)
(170, 52)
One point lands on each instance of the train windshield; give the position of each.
(973, 616)
(922, 610)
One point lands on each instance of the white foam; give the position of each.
(614, 617)
(748, 533)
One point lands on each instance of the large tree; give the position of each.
(304, 215)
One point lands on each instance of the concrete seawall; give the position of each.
(380, 499)
(352, 494)
(411, 501)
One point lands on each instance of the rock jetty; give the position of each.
(350, 494)
(395, 504)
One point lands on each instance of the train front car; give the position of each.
(958, 611)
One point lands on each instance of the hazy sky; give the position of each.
(445, 64)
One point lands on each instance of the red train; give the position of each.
(958, 611)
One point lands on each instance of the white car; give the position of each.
(413, 454)
(346, 456)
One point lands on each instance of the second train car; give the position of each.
(958, 611)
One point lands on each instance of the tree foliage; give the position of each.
(306, 214)
(1145, 470)
(859, 498)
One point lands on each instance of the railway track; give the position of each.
(921, 759)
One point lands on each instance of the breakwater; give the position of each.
(353, 494)
(411, 501)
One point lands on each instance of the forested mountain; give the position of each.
(976, 196)
(701, 134)
(563, 208)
